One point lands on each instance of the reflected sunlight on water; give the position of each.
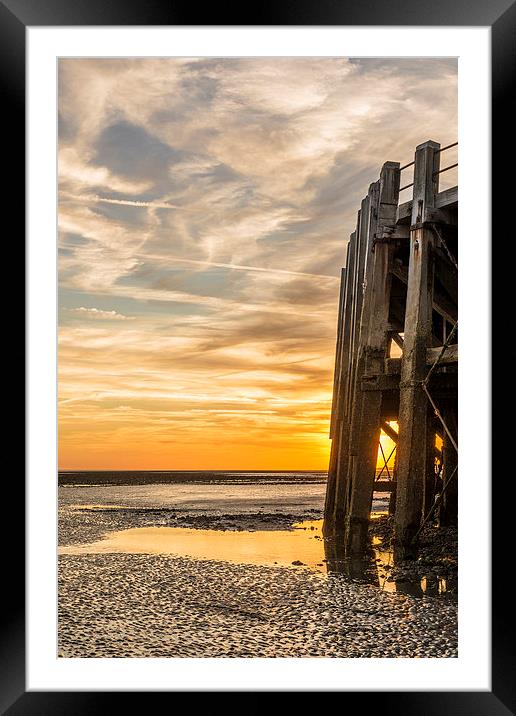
(272, 547)
(302, 546)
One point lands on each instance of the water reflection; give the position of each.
(434, 585)
(338, 562)
(375, 567)
(299, 547)
(303, 546)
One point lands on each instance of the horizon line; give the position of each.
(167, 469)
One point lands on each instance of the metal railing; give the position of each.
(440, 171)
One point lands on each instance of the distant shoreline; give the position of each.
(251, 472)
(146, 477)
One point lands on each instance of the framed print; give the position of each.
(244, 236)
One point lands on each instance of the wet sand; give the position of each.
(136, 605)
(120, 596)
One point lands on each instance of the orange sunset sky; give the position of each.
(204, 210)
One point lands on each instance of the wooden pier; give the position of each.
(398, 288)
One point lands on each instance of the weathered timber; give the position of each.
(347, 330)
(450, 355)
(413, 407)
(442, 379)
(336, 500)
(395, 336)
(400, 278)
(441, 303)
(335, 427)
(338, 348)
(446, 199)
(383, 486)
(374, 343)
(358, 443)
(388, 430)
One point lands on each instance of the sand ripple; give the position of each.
(130, 605)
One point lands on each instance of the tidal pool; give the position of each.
(300, 547)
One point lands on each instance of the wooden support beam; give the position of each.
(390, 432)
(441, 303)
(336, 488)
(338, 349)
(334, 519)
(395, 336)
(440, 382)
(447, 199)
(362, 247)
(404, 212)
(360, 492)
(347, 316)
(335, 427)
(368, 232)
(393, 435)
(418, 327)
(383, 486)
(450, 355)
(373, 346)
(392, 499)
(446, 275)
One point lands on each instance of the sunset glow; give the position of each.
(204, 209)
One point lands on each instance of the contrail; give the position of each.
(122, 202)
(240, 267)
(129, 202)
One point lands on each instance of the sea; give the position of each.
(208, 491)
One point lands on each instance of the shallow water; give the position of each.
(303, 544)
(203, 498)
(271, 547)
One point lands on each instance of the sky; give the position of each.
(204, 211)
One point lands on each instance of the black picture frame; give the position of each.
(15, 17)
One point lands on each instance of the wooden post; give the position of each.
(339, 347)
(336, 490)
(417, 338)
(334, 423)
(362, 240)
(392, 497)
(372, 350)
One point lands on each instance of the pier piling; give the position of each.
(399, 287)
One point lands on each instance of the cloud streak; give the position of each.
(98, 314)
(239, 267)
(123, 202)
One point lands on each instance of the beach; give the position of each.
(235, 566)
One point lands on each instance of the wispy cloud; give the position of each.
(98, 314)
